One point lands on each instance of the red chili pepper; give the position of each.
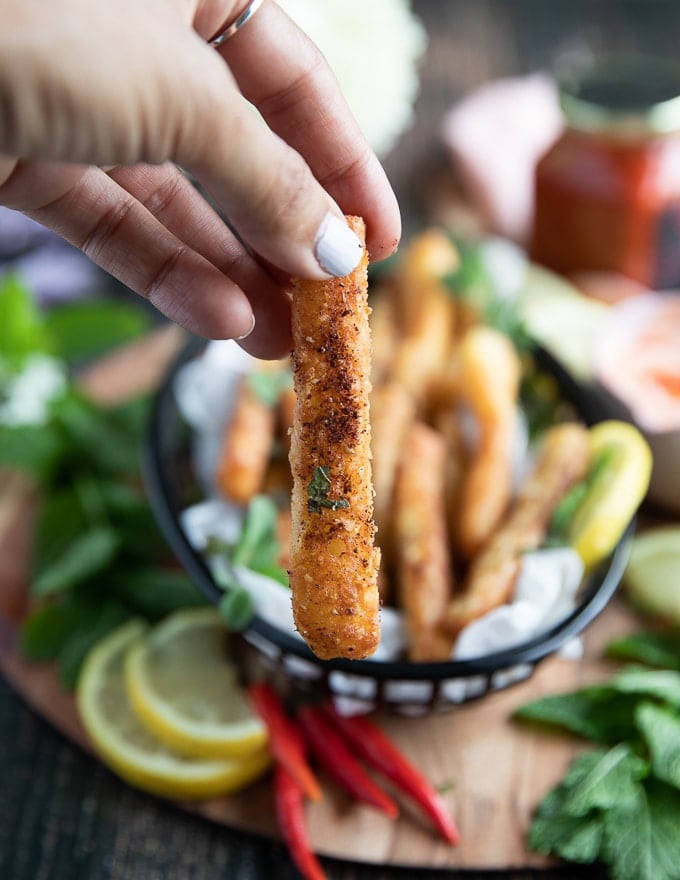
(375, 747)
(284, 738)
(332, 752)
(290, 813)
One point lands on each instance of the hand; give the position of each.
(102, 103)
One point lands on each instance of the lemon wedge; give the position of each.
(616, 491)
(185, 690)
(652, 577)
(128, 748)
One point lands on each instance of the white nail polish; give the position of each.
(337, 248)
(252, 327)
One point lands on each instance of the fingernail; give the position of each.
(337, 249)
(252, 327)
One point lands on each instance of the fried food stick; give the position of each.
(392, 411)
(489, 383)
(334, 561)
(423, 564)
(247, 445)
(562, 462)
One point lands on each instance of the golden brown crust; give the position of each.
(247, 446)
(562, 462)
(490, 373)
(423, 563)
(334, 562)
(392, 411)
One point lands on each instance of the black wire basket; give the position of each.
(405, 687)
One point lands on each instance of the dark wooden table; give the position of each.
(62, 815)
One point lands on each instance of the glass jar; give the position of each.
(607, 193)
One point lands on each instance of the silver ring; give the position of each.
(237, 24)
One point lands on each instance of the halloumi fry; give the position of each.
(247, 445)
(429, 257)
(383, 324)
(423, 565)
(422, 351)
(447, 422)
(562, 462)
(490, 373)
(392, 411)
(334, 561)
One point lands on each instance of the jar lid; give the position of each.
(624, 96)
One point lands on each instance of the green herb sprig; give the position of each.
(472, 283)
(619, 803)
(317, 492)
(256, 548)
(98, 556)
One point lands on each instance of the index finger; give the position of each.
(285, 76)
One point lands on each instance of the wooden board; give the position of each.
(494, 771)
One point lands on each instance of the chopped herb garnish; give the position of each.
(317, 492)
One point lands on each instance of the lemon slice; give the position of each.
(184, 688)
(130, 750)
(616, 491)
(652, 578)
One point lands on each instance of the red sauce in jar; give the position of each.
(607, 193)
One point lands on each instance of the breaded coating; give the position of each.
(334, 561)
(392, 411)
(489, 379)
(563, 461)
(247, 445)
(423, 565)
(384, 335)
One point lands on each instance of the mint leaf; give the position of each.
(155, 592)
(32, 448)
(573, 820)
(609, 781)
(619, 806)
(660, 729)
(663, 684)
(64, 629)
(574, 838)
(642, 837)
(554, 830)
(60, 521)
(268, 387)
(85, 635)
(652, 648)
(236, 608)
(102, 438)
(599, 713)
(91, 552)
(258, 532)
(258, 546)
(45, 630)
(21, 329)
(91, 327)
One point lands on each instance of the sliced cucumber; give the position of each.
(652, 578)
